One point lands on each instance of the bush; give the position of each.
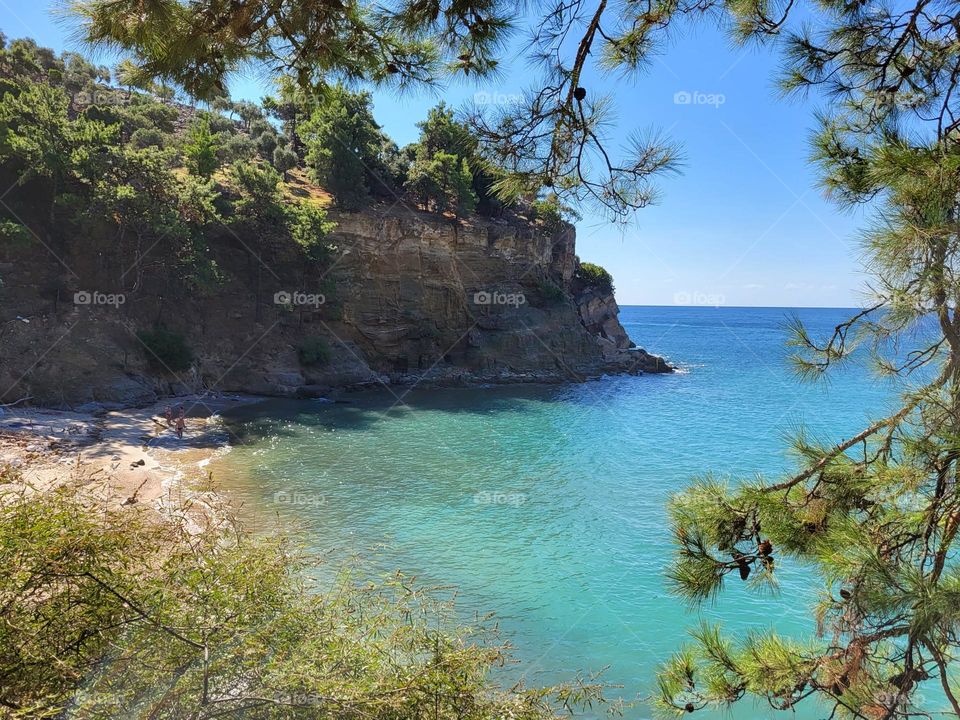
(259, 127)
(166, 350)
(14, 233)
(595, 277)
(237, 148)
(552, 213)
(314, 350)
(267, 143)
(257, 185)
(219, 124)
(110, 614)
(284, 159)
(309, 227)
(143, 113)
(148, 137)
(201, 148)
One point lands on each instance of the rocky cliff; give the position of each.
(403, 298)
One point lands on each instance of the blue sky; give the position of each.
(743, 224)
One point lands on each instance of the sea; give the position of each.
(546, 504)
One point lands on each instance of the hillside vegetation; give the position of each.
(83, 154)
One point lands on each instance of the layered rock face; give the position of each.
(404, 298)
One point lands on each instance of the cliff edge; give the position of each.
(404, 297)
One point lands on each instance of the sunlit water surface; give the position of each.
(547, 504)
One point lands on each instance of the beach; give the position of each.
(128, 457)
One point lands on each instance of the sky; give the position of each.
(743, 224)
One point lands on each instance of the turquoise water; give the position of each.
(546, 504)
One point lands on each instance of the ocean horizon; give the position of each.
(546, 504)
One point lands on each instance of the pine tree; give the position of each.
(342, 140)
(201, 148)
(284, 159)
(875, 518)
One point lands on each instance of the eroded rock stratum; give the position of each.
(407, 297)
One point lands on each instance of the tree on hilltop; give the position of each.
(341, 139)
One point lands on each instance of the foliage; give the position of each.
(166, 350)
(258, 127)
(439, 181)
(341, 140)
(14, 233)
(314, 350)
(193, 46)
(257, 185)
(140, 113)
(443, 183)
(553, 135)
(552, 213)
(236, 148)
(874, 518)
(551, 292)
(284, 159)
(200, 148)
(107, 613)
(396, 162)
(267, 143)
(309, 227)
(130, 76)
(149, 207)
(36, 132)
(147, 137)
(594, 276)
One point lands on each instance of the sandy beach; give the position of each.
(130, 456)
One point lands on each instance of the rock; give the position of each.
(313, 391)
(411, 297)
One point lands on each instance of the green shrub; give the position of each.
(314, 350)
(284, 159)
(237, 148)
(266, 144)
(14, 233)
(148, 137)
(110, 614)
(166, 350)
(201, 148)
(257, 184)
(552, 213)
(548, 212)
(594, 276)
(309, 227)
(259, 127)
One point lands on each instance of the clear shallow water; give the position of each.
(546, 504)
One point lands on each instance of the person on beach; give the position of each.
(180, 426)
(168, 416)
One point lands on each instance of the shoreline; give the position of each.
(134, 458)
(131, 456)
